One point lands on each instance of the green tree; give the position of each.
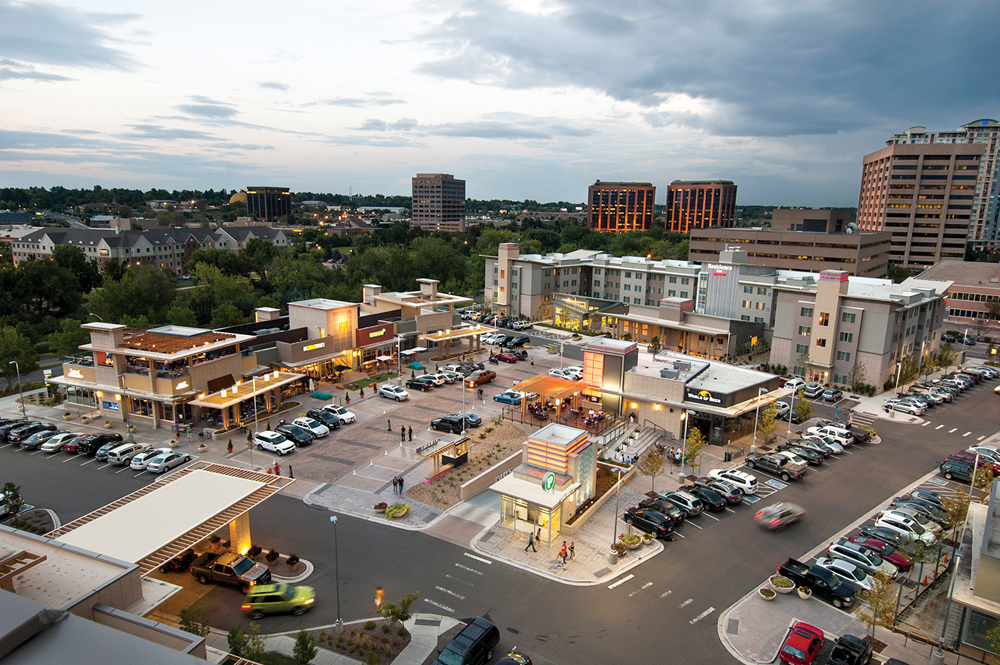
(877, 606)
(897, 274)
(246, 645)
(237, 640)
(946, 356)
(226, 315)
(399, 612)
(73, 259)
(695, 442)
(654, 344)
(46, 289)
(305, 648)
(908, 370)
(803, 407)
(15, 346)
(857, 377)
(194, 620)
(67, 340)
(993, 308)
(767, 424)
(180, 314)
(10, 498)
(956, 506)
(651, 464)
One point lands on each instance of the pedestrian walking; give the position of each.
(395, 484)
(538, 537)
(572, 550)
(277, 469)
(402, 434)
(388, 424)
(190, 433)
(562, 553)
(836, 414)
(409, 433)
(401, 485)
(531, 543)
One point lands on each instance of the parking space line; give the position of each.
(953, 429)
(621, 581)
(714, 518)
(966, 434)
(105, 466)
(479, 559)
(730, 510)
(35, 453)
(981, 438)
(439, 605)
(677, 533)
(694, 525)
(686, 603)
(926, 423)
(702, 615)
(939, 427)
(87, 462)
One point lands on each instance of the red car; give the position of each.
(73, 445)
(890, 553)
(801, 645)
(506, 357)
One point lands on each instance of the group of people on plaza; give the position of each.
(566, 553)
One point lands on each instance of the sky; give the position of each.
(524, 99)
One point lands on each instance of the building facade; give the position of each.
(974, 286)
(984, 219)
(700, 204)
(865, 254)
(924, 195)
(824, 327)
(438, 202)
(619, 207)
(269, 203)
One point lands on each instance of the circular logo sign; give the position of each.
(549, 481)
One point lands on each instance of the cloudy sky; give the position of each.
(522, 98)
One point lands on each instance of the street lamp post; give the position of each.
(686, 416)
(899, 372)
(336, 560)
(399, 359)
(20, 388)
(128, 430)
(756, 415)
(614, 533)
(791, 413)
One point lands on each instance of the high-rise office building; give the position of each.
(618, 207)
(699, 204)
(984, 219)
(438, 202)
(269, 203)
(924, 195)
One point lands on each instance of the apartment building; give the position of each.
(269, 203)
(923, 194)
(619, 207)
(801, 239)
(438, 202)
(984, 218)
(700, 204)
(824, 326)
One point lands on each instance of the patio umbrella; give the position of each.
(416, 366)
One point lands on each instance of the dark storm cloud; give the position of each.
(41, 33)
(762, 68)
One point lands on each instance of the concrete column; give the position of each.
(239, 533)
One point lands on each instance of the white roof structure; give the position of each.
(532, 492)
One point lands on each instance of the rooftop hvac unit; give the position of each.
(682, 365)
(669, 374)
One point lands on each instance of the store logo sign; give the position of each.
(549, 481)
(74, 374)
(704, 396)
(366, 336)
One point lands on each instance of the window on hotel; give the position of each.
(821, 342)
(843, 355)
(806, 311)
(824, 318)
(805, 330)
(847, 337)
(847, 317)
(801, 348)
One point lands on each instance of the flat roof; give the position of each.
(139, 528)
(65, 576)
(101, 325)
(322, 303)
(159, 346)
(611, 344)
(560, 435)
(246, 389)
(728, 378)
(531, 492)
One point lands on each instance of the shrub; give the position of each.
(254, 551)
(272, 555)
(385, 628)
(293, 560)
(369, 625)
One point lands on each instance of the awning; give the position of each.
(409, 352)
(531, 492)
(385, 358)
(418, 349)
(247, 389)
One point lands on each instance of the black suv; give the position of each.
(300, 436)
(329, 419)
(473, 646)
(420, 383)
(91, 444)
(453, 424)
(851, 650)
(650, 521)
(713, 500)
(516, 342)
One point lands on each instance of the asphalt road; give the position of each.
(668, 609)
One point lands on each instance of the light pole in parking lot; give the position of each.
(760, 391)
(128, 430)
(614, 532)
(791, 412)
(20, 388)
(336, 560)
(899, 371)
(686, 416)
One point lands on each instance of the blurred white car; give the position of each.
(390, 391)
(313, 426)
(274, 442)
(346, 417)
(140, 461)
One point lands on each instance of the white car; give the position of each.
(834, 447)
(989, 452)
(846, 571)
(437, 379)
(838, 436)
(782, 409)
(166, 461)
(917, 516)
(560, 372)
(906, 527)
(745, 481)
(56, 443)
(488, 338)
(314, 427)
(795, 383)
(346, 417)
(789, 455)
(124, 453)
(274, 442)
(390, 391)
(451, 376)
(862, 557)
(140, 461)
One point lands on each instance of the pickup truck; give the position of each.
(823, 583)
(778, 465)
(232, 569)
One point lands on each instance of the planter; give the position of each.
(781, 584)
(634, 546)
(766, 594)
(202, 447)
(67, 417)
(805, 593)
(108, 425)
(380, 508)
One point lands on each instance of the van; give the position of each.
(123, 454)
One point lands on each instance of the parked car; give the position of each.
(846, 571)
(140, 461)
(887, 551)
(841, 437)
(851, 650)
(515, 657)
(314, 427)
(830, 444)
(970, 458)
(690, 504)
(916, 515)
(904, 406)
(181, 562)
(779, 466)
(452, 377)
(346, 417)
(56, 443)
(278, 599)
(453, 424)
(35, 441)
(731, 492)
(675, 514)
(273, 442)
(506, 357)
(437, 379)
(166, 461)
(232, 569)
(745, 481)
(300, 436)
(710, 499)
(517, 342)
(329, 419)
(779, 516)
(948, 339)
(816, 445)
(480, 377)
(821, 581)
(90, 444)
(509, 397)
(833, 395)
(905, 526)
(888, 536)
(124, 453)
(471, 419)
(390, 391)
(650, 521)
(781, 409)
(801, 644)
(810, 456)
(473, 646)
(952, 469)
(795, 383)
(102, 453)
(17, 435)
(862, 557)
(418, 383)
(813, 390)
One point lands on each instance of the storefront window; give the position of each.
(976, 628)
(524, 517)
(82, 396)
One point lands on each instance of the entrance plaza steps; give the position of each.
(647, 437)
(612, 445)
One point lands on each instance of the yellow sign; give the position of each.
(313, 347)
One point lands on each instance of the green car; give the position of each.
(275, 598)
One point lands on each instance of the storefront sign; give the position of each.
(375, 334)
(110, 406)
(181, 386)
(74, 374)
(313, 347)
(705, 396)
(549, 481)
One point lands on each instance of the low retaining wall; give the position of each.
(570, 529)
(484, 480)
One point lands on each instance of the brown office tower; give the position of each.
(923, 194)
(699, 204)
(269, 203)
(438, 202)
(618, 207)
